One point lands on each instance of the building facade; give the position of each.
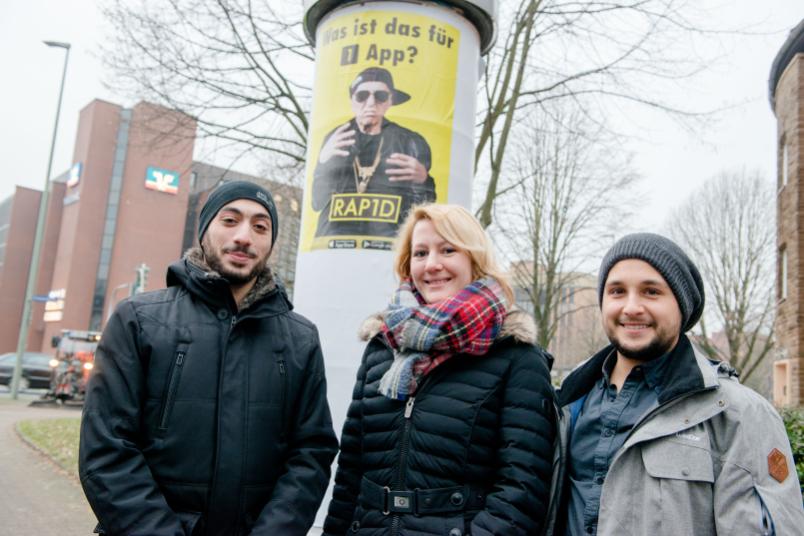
(787, 101)
(578, 328)
(18, 215)
(129, 205)
(124, 206)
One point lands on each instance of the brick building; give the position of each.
(18, 214)
(131, 198)
(787, 101)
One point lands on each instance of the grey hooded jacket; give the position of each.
(712, 458)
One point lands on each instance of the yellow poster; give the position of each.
(381, 131)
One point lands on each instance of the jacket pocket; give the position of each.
(283, 390)
(670, 459)
(174, 377)
(675, 496)
(766, 526)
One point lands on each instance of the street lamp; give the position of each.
(40, 228)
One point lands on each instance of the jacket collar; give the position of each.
(686, 370)
(193, 273)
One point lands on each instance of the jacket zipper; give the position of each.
(403, 459)
(173, 384)
(224, 339)
(404, 447)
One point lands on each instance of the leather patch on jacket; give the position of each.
(777, 465)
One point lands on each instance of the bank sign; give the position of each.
(75, 175)
(162, 180)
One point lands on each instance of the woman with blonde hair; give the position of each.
(450, 430)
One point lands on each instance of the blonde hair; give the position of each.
(457, 226)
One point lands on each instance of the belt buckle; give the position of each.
(401, 502)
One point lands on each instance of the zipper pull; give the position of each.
(409, 407)
(234, 319)
(180, 358)
(282, 368)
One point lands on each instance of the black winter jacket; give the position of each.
(470, 453)
(202, 419)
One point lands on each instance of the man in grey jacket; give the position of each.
(657, 439)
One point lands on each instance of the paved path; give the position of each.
(36, 497)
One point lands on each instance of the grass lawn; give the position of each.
(58, 438)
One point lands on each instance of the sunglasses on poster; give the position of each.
(379, 96)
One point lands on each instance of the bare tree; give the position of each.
(593, 54)
(241, 69)
(228, 64)
(569, 186)
(728, 229)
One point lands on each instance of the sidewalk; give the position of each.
(37, 497)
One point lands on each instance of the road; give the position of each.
(36, 496)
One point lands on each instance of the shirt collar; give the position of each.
(651, 371)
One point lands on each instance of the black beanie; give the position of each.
(228, 192)
(670, 261)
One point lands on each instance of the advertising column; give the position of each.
(392, 126)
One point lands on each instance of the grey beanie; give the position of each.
(228, 192)
(670, 261)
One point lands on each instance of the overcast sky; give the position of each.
(671, 159)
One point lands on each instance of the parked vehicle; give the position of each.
(36, 370)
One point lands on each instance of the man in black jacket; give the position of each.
(207, 410)
(370, 170)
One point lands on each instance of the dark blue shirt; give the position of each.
(601, 428)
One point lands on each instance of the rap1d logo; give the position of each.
(162, 180)
(75, 175)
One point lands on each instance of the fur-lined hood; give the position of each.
(266, 282)
(517, 324)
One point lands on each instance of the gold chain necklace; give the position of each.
(363, 174)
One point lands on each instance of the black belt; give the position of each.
(420, 501)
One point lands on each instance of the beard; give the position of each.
(233, 277)
(660, 345)
(656, 348)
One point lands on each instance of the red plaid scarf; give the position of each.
(424, 335)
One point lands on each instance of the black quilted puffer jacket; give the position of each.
(470, 453)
